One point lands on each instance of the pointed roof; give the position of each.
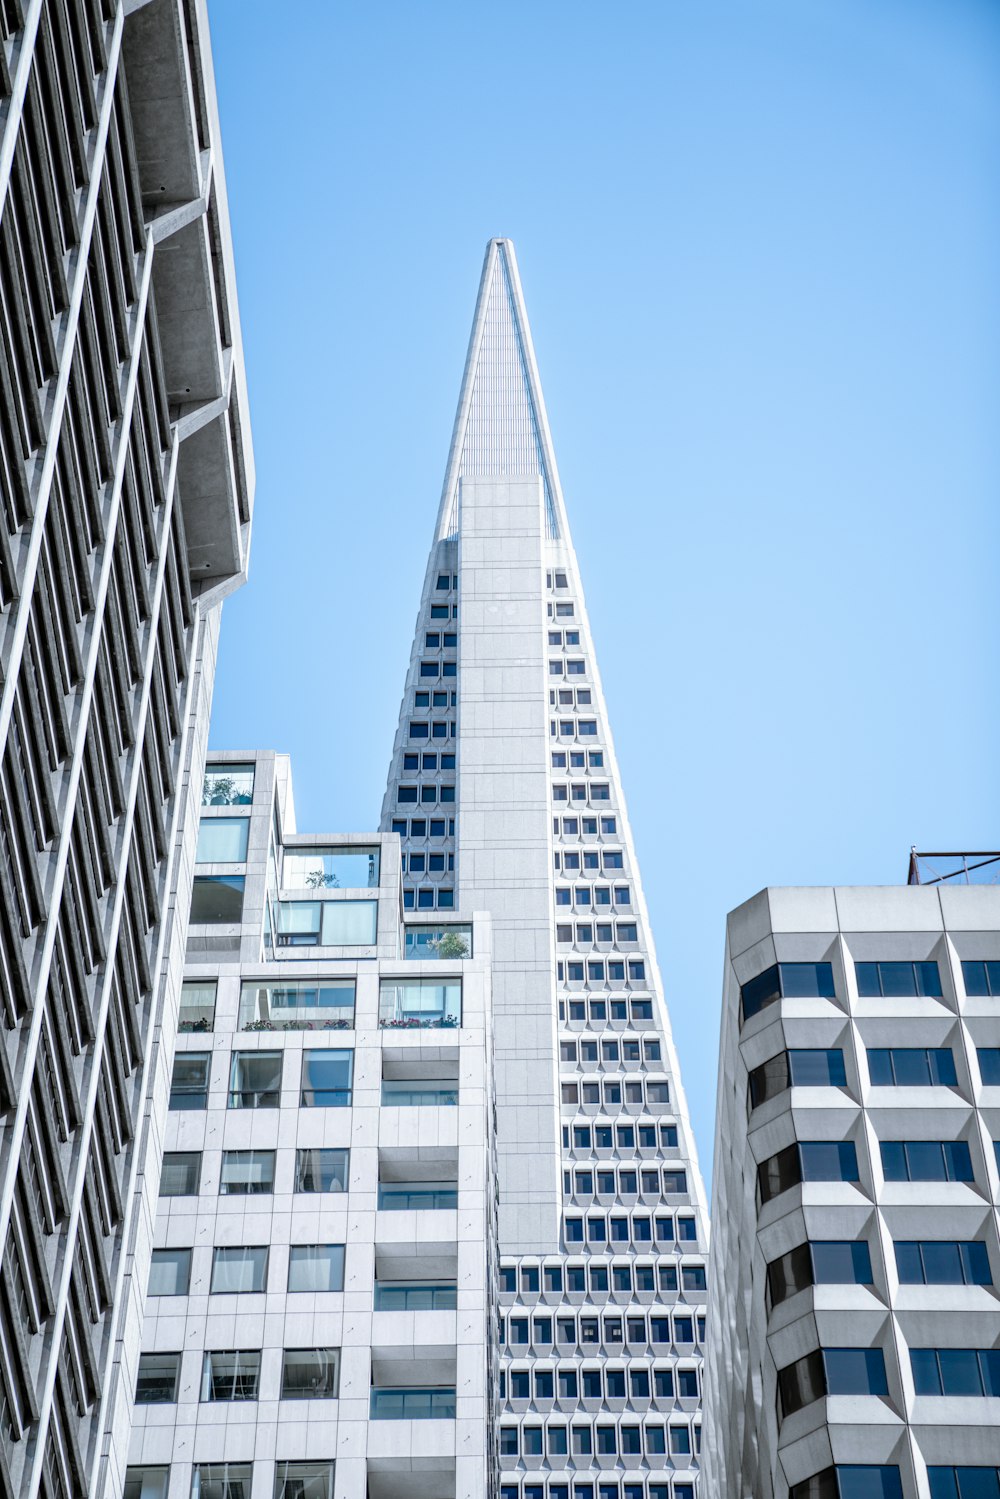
(501, 430)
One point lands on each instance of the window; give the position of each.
(405, 1093)
(851, 1481)
(981, 979)
(943, 1262)
(820, 1262)
(786, 981)
(895, 980)
(316, 1267)
(189, 1081)
(230, 1376)
(156, 1381)
(180, 1174)
(197, 1007)
(297, 1004)
(911, 1067)
(322, 1170)
(303, 1480)
(310, 1373)
(956, 1371)
(255, 1080)
(169, 1272)
(222, 840)
(809, 1160)
(221, 1481)
(963, 1483)
(989, 1064)
(227, 786)
(417, 1195)
(326, 1079)
(420, 1003)
(332, 923)
(797, 1068)
(239, 1268)
(216, 898)
(926, 1161)
(246, 1172)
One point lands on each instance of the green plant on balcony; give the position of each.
(450, 945)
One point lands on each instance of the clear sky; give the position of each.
(759, 244)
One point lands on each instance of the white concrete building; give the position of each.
(505, 793)
(855, 1349)
(318, 1315)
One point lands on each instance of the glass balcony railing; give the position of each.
(330, 869)
(401, 1197)
(422, 1004)
(302, 1005)
(438, 942)
(442, 1297)
(227, 786)
(436, 1404)
(407, 1095)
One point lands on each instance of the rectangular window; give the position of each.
(246, 1173)
(217, 899)
(911, 1067)
(296, 1480)
(981, 979)
(322, 1170)
(227, 786)
(989, 1065)
(220, 1481)
(189, 1080)
(222, 840)
(197, 1007)
(169, 1272)
(326, 1079)
(310, 1373)
(943, 1262)
(156, 1381)
(785, 981)
(297, 1005)
(346, 868)
(239, 1268)
(316, 1267)
(926, 1160)
(180, 1174)
(956, 1371)
(230, 1376)
(898, 980)
(255, 1080)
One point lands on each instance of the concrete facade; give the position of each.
(126, 491)
(505, 793)
(855, 1257)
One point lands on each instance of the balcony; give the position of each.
(302, 1005)
(420, 1004)
(438, 942)
(416, 1403)
(227, 786)
(415, 1296)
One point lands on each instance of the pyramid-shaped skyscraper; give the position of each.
(505, 791)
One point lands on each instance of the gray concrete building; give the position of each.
(126, 485)
(855, 1349)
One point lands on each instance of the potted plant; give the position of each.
(450, 945)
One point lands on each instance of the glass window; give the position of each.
(216, 899)
(255, 1080)
(227, 786)
(310, 1373)
(417, 1195)
(145, 1483)
(962, 1483)
(926, 1160)
(299, 1005)
(330, 868)
(956, 1371)
(156, 1381)
(316, 1267)
(420, 1003)
(855, 1371)
(239, 1268)
(326, 1079)
(817, 1069)
(303, 1480)
(246, 1173)
(230, 1376)
(788, 981)
(322, 1170)
(169, 1272)
(197, 1007)
(189, 1080)
(897, 980)
(989, 1064)
(180, 1174)
(943, 1262)
(911, 1067)
(221, 1481)
(404, 1093)
(222, 840)
(982, 979)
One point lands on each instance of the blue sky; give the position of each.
(759, 246)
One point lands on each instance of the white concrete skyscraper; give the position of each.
(505, 792)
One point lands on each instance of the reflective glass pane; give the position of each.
(330, 869)
(222, 840)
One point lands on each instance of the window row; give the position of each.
(577, 760)
(292, 1480)
(424, 863)
(306, 1374)
(622, 933)
(255, 1079)
(428, 762)
(625, 1182)
(608, 1440)
(614, 971)
(587, 827)
(599, 1279)
(607, 1488)
(919, 1262)
(610, 1092)
(421, 827)
(424, 794)
(611, 1049)
(435, 700)
(566, 697)
(243, 1268)
(597, 1011)
(635, 1229)
(609, 1330)
(893, 980)
(430, 670)
(620, 1137)
(564, 637)
(597, 858)
(587, 896)
(444, 611)
(665, 1382)
(425, 728)
(888, 1067)
(969, 1372)
(434, 640)
(245, 1173)
(581, 791)
(837, 1160)
(321, 1004)
(429, 898)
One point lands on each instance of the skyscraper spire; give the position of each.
(504, 789)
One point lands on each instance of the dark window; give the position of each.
(989, 1065)
(216, 898)
(897, 980)
(809, 1160)
(943, 1262)
(189, 1082)
(926, 1160)
(181, 1173)
(786, 981)
(956, 1371)
(911, 1067)
(851, 1481)
(982, 979)
(964, 1483)
(156, 1381)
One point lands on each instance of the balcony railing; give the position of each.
(423, 1004)
(412, 1404)
(954, 869)
(414, 1298)
(438, 942)
(401, 1197)
(406, 1096)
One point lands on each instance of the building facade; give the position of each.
(322, 1288)
(505, 793)
(856, 1333)
(126, 492)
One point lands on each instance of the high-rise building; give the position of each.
(505, 792)
(125, 497)
(855, 1261)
